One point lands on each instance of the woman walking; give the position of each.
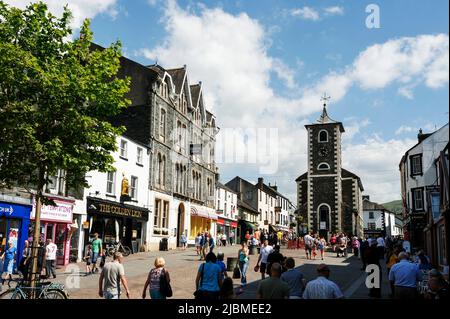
(9, 258)
(155, 276)
(321, 246)
(209, 279)
(183, 241)
(198, 245)
(243, 263)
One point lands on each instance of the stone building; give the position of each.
(329, 197)
(169, 115)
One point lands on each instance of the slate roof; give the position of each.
(246, 206)
(195, 92)
(325, 119)
(226, 188)
(368, 205)
(177, 78)
(303, 176)
(346, 173)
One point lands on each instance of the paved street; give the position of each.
(183, 265)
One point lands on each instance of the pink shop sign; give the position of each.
(61, 213)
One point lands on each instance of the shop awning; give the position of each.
(274, 228)
(203, 212)
(249, 224)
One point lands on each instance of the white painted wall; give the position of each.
(377, 219)
(97, 184)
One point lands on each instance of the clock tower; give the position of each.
(329, 197)
(324, 197)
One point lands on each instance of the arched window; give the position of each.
(323, 136)
(323, 167)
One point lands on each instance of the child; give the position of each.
(88, 258)
(321, 246)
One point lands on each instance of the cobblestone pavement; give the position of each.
(183, 265)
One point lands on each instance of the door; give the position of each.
(180, 224)
(49, 232)
(3, 234)
(60, 242)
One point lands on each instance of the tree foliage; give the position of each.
(56, 95)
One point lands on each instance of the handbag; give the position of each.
(197, 293)
(164, 284)
(236, 272)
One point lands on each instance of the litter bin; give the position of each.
(253, 250)
(164, 244)
(231, 263)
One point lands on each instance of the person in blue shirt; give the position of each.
(9, 258)
(404, 277)
(209, 279)
(220, 257)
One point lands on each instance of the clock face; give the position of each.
(323, 151)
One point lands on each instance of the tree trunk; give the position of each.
(37, 235)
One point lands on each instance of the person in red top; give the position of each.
(333, 241)
(247, 237)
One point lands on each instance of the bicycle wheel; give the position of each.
(53, 294)
(125, 250)
(11, 294)
(110, 251)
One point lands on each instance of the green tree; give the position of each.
(56, 96)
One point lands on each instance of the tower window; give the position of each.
(323, 136)
(323, 167)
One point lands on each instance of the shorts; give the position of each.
(263, 268)
(95, 257)
(110, 295)
(308, 248)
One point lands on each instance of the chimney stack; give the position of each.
(260, 181)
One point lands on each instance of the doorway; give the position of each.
(180, 223)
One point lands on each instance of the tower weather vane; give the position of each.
(325, 98)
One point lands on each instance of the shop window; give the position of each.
(134, 187)
(161, 219)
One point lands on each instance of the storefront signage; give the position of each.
(62, 212)
(108, 208)
(12, 210)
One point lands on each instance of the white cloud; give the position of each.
(229, 54)
(376, 162)
(405, 60)
(336, 10)
(406, 92)
(405, 129)
(81, 9)
(305, 13)
(354, 127)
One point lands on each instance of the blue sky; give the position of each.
(385, 83)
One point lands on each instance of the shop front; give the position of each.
(14, 222)
(55, 224)
(226, 226)
(115, 222)
(202, 219)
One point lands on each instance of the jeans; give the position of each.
(156, 294)
(243, 266)
(50, 268)
(110, 295)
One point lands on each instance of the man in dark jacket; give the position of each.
(364, 244)
(275, 257)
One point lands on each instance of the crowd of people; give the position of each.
(405, 269)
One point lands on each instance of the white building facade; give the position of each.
(227, 212)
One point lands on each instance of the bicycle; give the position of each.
(111, 248)
(42, 290)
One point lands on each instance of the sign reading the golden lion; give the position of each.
(117, 209)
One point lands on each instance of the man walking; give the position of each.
(309, 241)
(404, 277)
(111, 276)
(50, 258)
(273, 287)
(97, 251)
(231, 237)
(264, 252)
(322, 288)
(294, 278)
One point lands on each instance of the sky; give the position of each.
(265, 64)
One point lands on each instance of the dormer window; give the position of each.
(323, 136)
(323, 167)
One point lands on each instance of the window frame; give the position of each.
(111, 182)
(413, 192)
(139, 155)
(134, 188)
(323, 169)
(123, 151)
(411, 163)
